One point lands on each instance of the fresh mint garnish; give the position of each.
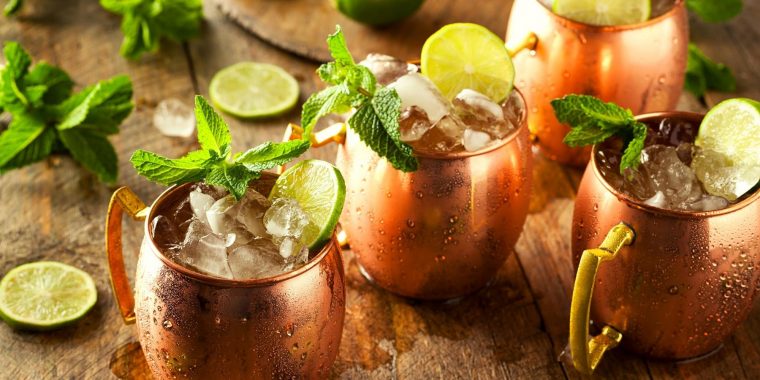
(593, 121)
(214, 163)
(377, 108)
(703, 74)
(145, 22)
(47, 118)
(715, 10)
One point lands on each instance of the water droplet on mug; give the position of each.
(410, 223)
(168, 324)
(419, 195)
(673, 290)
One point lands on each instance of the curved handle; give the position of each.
(587, 353)
(529, 41)
(335, 133)
(122, 200)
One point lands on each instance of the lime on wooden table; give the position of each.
(253, 90)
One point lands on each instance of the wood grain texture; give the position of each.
(300, 26)
(514, 329)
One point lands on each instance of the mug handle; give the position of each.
(123, 199)
(587, 353)
(529, 41)
(335, 133)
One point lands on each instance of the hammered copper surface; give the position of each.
(688, 280)
(440, 232)
(638, 66)
(196, 326)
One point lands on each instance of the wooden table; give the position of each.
(513, 329)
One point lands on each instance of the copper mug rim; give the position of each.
(223, 282)
(577, 25)
(639, 204)
(502, 142)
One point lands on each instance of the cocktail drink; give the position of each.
(235, 279)
(444, 230)
(638, 64)
(677, 273)
(436, 158)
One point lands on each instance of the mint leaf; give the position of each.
(35, 151)
(93, 151)
(145, 22)
(368, 125)
(704, 74)
(100, 108)
(593, 121)
(11, 7)
(335, 99)
(213, 133)
(715, 10)
(387, 106)
(336, 43)
(269, 154)
(190, 168)
(21, 132)
(234, 178)
(57, 83)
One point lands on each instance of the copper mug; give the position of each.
(639, 66)
(442, 231)
(192, 325)
(666, 284)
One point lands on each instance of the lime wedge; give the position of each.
(377, 12)
(604, 12)
(45, 295)
(319, 189)
(251, 89)
(460, 56)
(729, 162)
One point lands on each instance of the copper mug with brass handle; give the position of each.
(442, 231)
(193, 325)
(676, 292)
(639, 66)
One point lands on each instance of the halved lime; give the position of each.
(251, 89)
(45, 295)
(319, 189)
(604, 12)
(377, 12)
(460, 56)
(729, 136)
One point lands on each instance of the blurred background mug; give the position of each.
(665, 284)
(639, 66)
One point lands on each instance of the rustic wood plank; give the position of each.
(300, 26)
(54, 210)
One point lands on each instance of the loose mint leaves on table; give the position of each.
(593, 121)
(46, 118)
(715, 10)
(145, 22)
(377, 108)
(704, 74)
(214, 162)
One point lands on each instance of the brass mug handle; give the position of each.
(587, 353)
(122, 199)
(529, 41)
(335, 133)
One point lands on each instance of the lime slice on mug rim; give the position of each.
(45, 295)
(604, 12)
(320, 190)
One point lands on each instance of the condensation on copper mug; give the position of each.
(688, 280)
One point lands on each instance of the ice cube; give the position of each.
(662, 170)
(200, 203)
(444, 137)
(416, 90)
(709, 203)
(658, 200)
(195, 231)
(251, 212)
(413, 123)
(478, 103)
(285, 218)
(172, 117)
(219, 215)
(208, 255)
(513, 109)
(722, 177)
(166, 233)
(475, 140)
(481, 114)
(386, 68)
(260, 258)
(293, 250)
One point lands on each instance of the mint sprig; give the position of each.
(715, 10)
(214, 163)
(593, 121)
(704, 74)
(377, 108)
(47, 118)
(145, 22)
